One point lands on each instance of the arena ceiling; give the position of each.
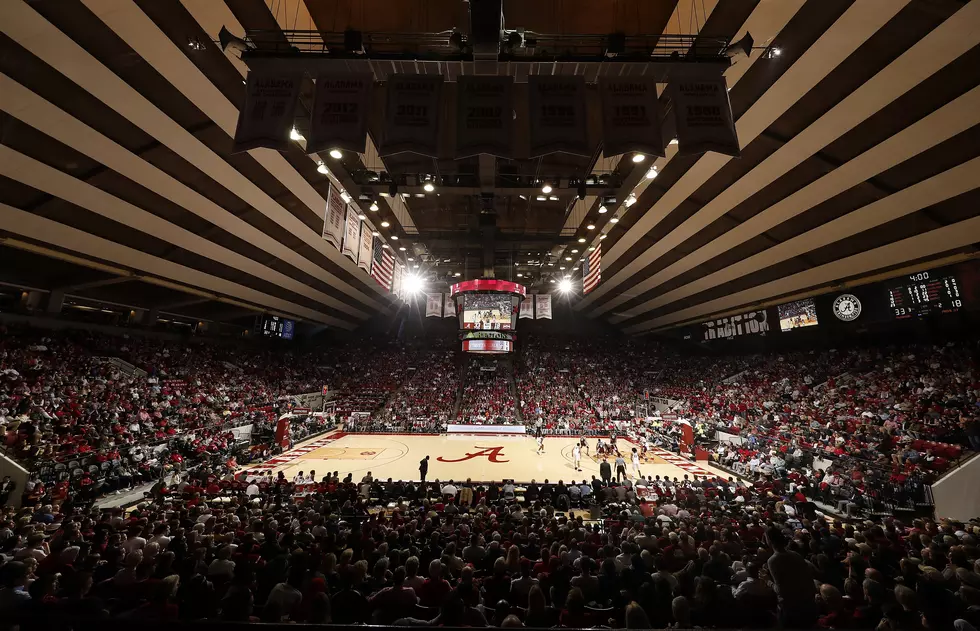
(859, 125)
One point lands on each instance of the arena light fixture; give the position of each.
(394, 237)
(602, 236)
(428, 187)
(565, 285)
(519, 275)
(295, 135)
(553, 198)
(458, 274)
(652, 173)
(335, 154)
(581, 239)
(344, 195)
(322, 168)
(552, 280)
(673, 141)
(614, 220)
(375, 233)
(574, 251)
(546, 188)
(562, 268)
(402, 249)
(603, 210)
(568, 258)
(385, 224)
(591, 226)
(374, 206)
(362, 216)
(639, 157)
(413, 283)
(541, 198)
(630, 200)
(592, 249)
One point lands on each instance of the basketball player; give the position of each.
(577, 457)
(600, 448)
(540, 441)
(612, 445)
(584, 444)
(636, 463)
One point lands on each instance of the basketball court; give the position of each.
(461, 457)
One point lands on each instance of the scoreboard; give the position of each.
(923, 294)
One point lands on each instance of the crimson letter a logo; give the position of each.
(492, 454)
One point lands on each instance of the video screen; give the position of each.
(274, 326)
(797, 315)
(488, 312)
(488, 346)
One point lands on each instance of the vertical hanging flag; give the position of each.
(433, 305)
(527, 307)
(382, 264)
(396, 282)
(333, 219)
(341, 103)
(364, 252)
(591, 270)
(484, 115)
(704, 117)
(352, 233)
(556, 107)
(267, 115)
(412, 114)
(449, 306)
(542, 306)
(630, 115)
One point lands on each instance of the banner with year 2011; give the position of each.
(484, 115)
(556, 107)
(412, 114)
(630, 116)
(703, 115)
(341, 104)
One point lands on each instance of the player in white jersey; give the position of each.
(577, 457)
(636, 463)
(540, 444)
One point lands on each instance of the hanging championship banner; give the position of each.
(449, 307)
(704, 117)
(556, 106)
(542, 305)
(630, 116)
(412, 114)
(352, 233)
(365, 251)
(527, 307)
(396, 283)
(341, 104)
(333, 219)
(484, 115)
(433, 305)
(267, 115)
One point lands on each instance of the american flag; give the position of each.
(382, 264)
(591, 272)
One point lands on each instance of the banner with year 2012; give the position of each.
(484, 115)
(556, 107)
(412, 114)
(341, 104)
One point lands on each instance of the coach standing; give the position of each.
(605, 471)
(423, 467)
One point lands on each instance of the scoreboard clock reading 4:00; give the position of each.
(925, 294)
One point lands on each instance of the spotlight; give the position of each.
(652, 173)
(519, 275)
(742, 46)
(591, 226)
(581, 239)
(601, 237)
(227, 40)
(614, 220)
(552, 280)
(546, 188)
(553, 198)
(428, 187)
(295, 135)
(574, 251)
(630, 200)
(774, 52)
(565, 285)
(413, 283)
(362, 216)
(375, 233)
(457, 274)
(603, 210)
(639, 157)
(673, 141)
(568, 258)
(344, 195)
(385, 224)
(322, 168)
(374, 206)
(541, 198)
(394, 237)
(401, 249)
(335, 154)
(592, 249)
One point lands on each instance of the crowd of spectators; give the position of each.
(487, 396)
(427, 397)
(656, 553)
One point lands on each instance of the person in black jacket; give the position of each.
(423, 467)
(605, 471)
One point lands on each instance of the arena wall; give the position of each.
(17, 473)
(955, 495)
